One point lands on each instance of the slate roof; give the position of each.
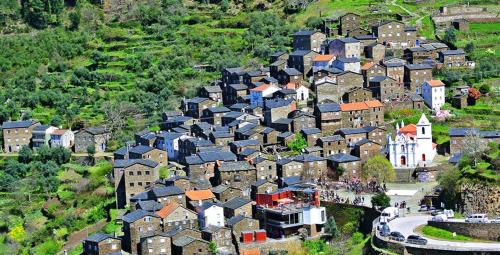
(283, 121)
(418, 66)
(300, 52)
(350, 131)
(235, 166)
(292, 180)
(292, 71)
(311, 131)
(298, 113)
(285, 134)
(363, 141)
(331, 138)
(235, 219)
(219, 189)
(233, 114)
(380, 78)
(236, 203)
(18, 124)
(165, 191)
(239, 86)
(41, 128)
(124, 163)
(278, 53)
(213, 89)
(453, 52)
(122, 151)
(329, 107)
(219, 109)
(238, 106)
(136, 215)
(461, 131)
(393, 64)
(221, 134)
(149, 205)
(342, 158)
(141, 149)
(269, 79)
(348, 60)
(238, 70)
(307, 158)
(275, 103)
(348, 40)
(184, 240)
(98, 237)
(258, 160)
(211, 156)
(193, 160)
(243, 143)
(305, 32)
(248, 152)
(365, 37)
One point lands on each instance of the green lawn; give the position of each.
(491, 27)
(332, 8)
(438, 233)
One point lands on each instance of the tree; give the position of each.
(91, 152)
(314, 22)
(212, 247)
(331, 228)
(450, 35)
(74, 19)
(474, 145)
(378, 168)
(25, 155)
(381, 200)
(116, 115)
(485, 89)
(469, 47)
(298, 143)
(448, 179)
(164, 172)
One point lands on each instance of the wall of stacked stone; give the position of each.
(485, 231)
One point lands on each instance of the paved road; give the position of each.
(407, 225)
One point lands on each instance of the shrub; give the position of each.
(381, 200)
(49, 247)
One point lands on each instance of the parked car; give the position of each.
(389, 214)
(436, 212)
(414, 239)
(477, 218)
(397, 236)
(385, 230)
(449, 213)
(440, 218)
(380, 225)
(497, 220)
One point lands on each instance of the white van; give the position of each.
(449, 213)
(477, 218)
(389, 214)
(440, 218)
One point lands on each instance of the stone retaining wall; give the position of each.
(485, 231)
(480, 198)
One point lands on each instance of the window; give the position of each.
(113, 247)
(139, 183)
(150, 240)
(131, 173)
(131, 184)
(151, 250)
(423, 130)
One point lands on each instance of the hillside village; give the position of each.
(239, 167)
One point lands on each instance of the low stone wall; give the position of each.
(485, 231)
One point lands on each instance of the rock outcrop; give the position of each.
(480, 198)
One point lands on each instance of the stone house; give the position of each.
(375, 51)
(279, 55)
(395, 34)
(145, 137)
(178, 121)
(302, 60)
(460, 24)
(314, 166)
(348, 22)
(328, 117)
(238, 174)
(136, 225)
(365, 149)
(395, 70)
(198, 197)
(238, 206)
(202, 165)
(359, 114)
(234, 91)
(288, 75)
(357, 94)
(285, 138)
(162, 194)
(221, 138)
(151, 153)
(326, 89)
(101, 244)
(222, 236)
(385, 88)
(214, 93)
(224, 193)
(275, 109)
(240, 223)
(332, 144)
(351, 166)
(287, 167)
(459, 101)
(232, 75)
(179, 181)
(238, 146)
(194, 107)
(277, 66)
(351, 64)
(191, 145)
(417, 55)
(357, 32)
(254, 76)
(348, 80)
(452, 58)
(158, 243)
(301, 120)
(201, 129)
(17, 134)
(376, 134)
(62, 137)
(347, 47)
(132, 176)
(92, 136)
(265, 168)
(308, 40)
(328, 73)
(458, 138)
(187, 245)
(262, 186)
(371, 69)
(365, 40)
(415, 75)
(311, 135)
(213, 115)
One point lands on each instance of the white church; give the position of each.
(412, 145)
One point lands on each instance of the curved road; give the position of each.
(407, 225)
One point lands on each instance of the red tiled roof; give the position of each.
(367, 66)
(360, 105)
(435, 83)
(323, 58)
(167, 209)
(261, 87)
(291, 85)
(199, 194)
(411, 129)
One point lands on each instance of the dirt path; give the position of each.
(77, 237)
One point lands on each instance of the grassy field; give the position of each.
(441, 234)
(484, 36)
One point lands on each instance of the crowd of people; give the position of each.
(328, 190)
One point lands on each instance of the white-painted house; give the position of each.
(301, 90)
(412, 145)
(258, 94)
(433, 92)
(210, 214)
